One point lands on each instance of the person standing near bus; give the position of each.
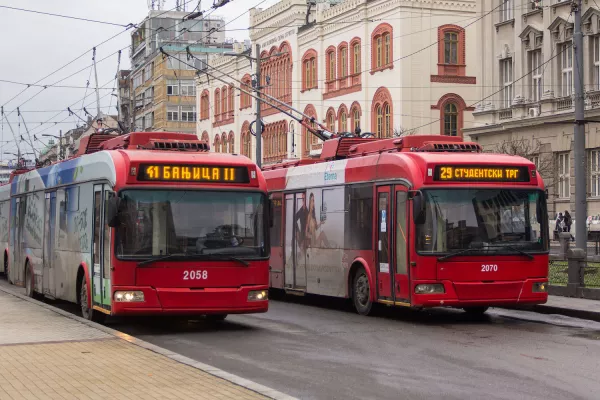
(568, 222)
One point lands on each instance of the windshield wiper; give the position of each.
(509, 247)
(457, 253)
(159, 258)
(219, 257)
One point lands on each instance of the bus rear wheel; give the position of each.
(6, 269)
(361, 292)
(475, 311)
(87, 311)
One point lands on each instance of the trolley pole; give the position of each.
(579, 134)
(258, 126)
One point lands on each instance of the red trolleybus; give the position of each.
(143, 223)
(418, 221)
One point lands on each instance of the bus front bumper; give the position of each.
(471, 294)
(186, 301)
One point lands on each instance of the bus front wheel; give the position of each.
(361, 292)
(475, 311)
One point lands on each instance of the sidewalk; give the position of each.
(571, 307)
(46, 353)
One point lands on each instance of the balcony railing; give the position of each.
(505, 114)
(565, 103)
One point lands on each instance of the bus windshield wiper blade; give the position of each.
(457, 253)
(509, 247)
(220, 257)
(159, 258)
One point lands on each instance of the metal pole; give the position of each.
(60, 146)
(97, 90)
(579, 134)
(258, 126)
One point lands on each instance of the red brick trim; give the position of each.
(380, 30)
(221, 122)
(458, 69)
(464, 80)
(342, 92)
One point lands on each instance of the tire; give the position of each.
(86, 311)
(361, 292)
(6, 269)
(216, 317)
(29, 285)
(475, 311)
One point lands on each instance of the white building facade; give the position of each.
(528, 81)
(387, 67)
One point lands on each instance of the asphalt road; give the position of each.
(319, 349)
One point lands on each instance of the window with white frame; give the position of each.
(564, 176)
(188, 88)
(139, 123)
(172, 88)
(137, 80)
(566, 68)
(172, 113)
(595, 172)
(535, 66)
(506, 10)
(506, 77)
(595, 41)
(188, 113)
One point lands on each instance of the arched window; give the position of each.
(204, 105)
(224, 101)
(309, 65)
(343, 119)
(382, 113)
(451, 51)
(217, 145)
(343, 60)
(382, 48)
(231, 142)
(217, 104)
(451, 48)
(379, 116)
(308, 139)
(331, 65)
(355, 60)
(224, 143)
(245, 99)
(231, 101)
(450, 119)
(331, 120)
(246, 140)
(355, 113)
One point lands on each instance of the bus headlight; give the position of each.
(430, 288)
(129, 296)
(258, 295)
(540, 287)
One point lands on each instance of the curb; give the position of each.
(569, 312)
(219, 373)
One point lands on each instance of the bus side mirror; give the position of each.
(112, 211)
(418, 208)
(271, 213)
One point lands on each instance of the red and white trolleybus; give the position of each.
(419, 221)
(143, 223)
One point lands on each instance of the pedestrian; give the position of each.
(568, 221)
(558, 227)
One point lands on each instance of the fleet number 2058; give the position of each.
(489, 268)
(194, 275)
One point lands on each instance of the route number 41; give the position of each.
(489, 268)
(194, 275)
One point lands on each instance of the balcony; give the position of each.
(564, 103)
(505, 114)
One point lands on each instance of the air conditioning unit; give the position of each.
(536, 5)
(534, 112)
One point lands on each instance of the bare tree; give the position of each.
(402, 131)
(533, 151)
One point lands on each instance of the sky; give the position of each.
(34, 46)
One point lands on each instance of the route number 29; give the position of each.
(194, 275)
(489, 268)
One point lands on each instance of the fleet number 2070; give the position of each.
(489, 267)
(195, 275)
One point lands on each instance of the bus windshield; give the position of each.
(501, 221)
(184, 222)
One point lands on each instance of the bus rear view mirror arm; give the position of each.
(418, 207)
(112, 212)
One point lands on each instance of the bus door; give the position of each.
(392, 244)
(101, 265)
(401, 286)
(19, 247)
(296, 214)
(49, 243)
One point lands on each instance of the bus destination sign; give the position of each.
(193, 173)
(470, 173)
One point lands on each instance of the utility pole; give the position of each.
(97, 90)
(258, 127)
(60, 147)
(579, 134)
